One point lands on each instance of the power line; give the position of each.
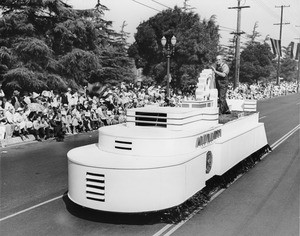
(226, 27)
(161, 4)
(295, 14)
(225, 30)
(273, 14)
(146, 5)
(268, 9)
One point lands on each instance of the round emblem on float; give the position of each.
(209, 159)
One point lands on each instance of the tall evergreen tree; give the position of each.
(118, 57)
(252, 38)
(48, 45)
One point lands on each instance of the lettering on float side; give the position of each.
(207, 138)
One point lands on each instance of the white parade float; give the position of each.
(162, 156)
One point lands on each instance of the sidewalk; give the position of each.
(16, 141)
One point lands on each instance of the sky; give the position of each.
(266, 13)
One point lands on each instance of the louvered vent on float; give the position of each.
(201, 105)
(151, 119)
(124, 145)
(95, 187)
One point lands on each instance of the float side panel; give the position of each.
(195, 175)
(235, 149)
(145, 190)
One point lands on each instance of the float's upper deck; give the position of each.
(173, 118)
(158, 131)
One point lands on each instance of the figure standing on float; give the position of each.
(221, 78)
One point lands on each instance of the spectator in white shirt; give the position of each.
(2, 94)
(20, 123)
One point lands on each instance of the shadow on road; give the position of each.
(149, 218)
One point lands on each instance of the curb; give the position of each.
(16, 141)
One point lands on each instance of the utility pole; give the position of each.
(238, 41)
(280, 35)
(298, 71)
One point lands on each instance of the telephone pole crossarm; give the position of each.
(281, 23)
(238, 33)
(239, 7)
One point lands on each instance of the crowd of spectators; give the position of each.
(261, 90)
(53, 115)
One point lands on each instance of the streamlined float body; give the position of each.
(160, 158)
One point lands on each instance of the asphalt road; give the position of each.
(264, 201)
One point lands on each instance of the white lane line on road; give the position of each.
(285, 137)
(177, 226)
(160, 232)
(273, 146)
(262, 117)
(30, 208)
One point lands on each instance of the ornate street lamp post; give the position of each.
(168, 46)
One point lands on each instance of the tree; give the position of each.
(120, 59)
(256, 63)
(195, 49)
(48, 45)
(253, 37)
(23, 78)
(6, 59)
(116, 66)
(187, 6)
(111, 51)
(288, 66)
(78, 64)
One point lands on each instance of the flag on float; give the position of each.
(276, 46)
(295, 50)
